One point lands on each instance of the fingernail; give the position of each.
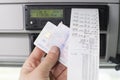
(54, 49)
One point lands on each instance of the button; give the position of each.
(31, 22)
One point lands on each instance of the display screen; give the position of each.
(46, 13)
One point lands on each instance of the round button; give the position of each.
(31, 22)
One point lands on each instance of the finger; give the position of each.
(50, 60)
(58, 69)
(52, 76)
(36, 54)
(33, 60)
(63, 76)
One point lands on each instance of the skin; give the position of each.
(35, 68)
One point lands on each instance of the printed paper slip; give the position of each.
(83, 57)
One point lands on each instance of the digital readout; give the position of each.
(46, 13)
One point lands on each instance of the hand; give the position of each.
(59, 72)
(36, 69)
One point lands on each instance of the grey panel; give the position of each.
(109, 1)
(14, 47)
(112, 34)
(12, 1)
(11, 17)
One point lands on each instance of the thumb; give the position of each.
(49, 61)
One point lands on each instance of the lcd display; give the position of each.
(46, 13)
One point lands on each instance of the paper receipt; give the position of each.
(83, 57)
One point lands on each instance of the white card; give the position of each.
(45, 36)
(83, 57)
(53, 35)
